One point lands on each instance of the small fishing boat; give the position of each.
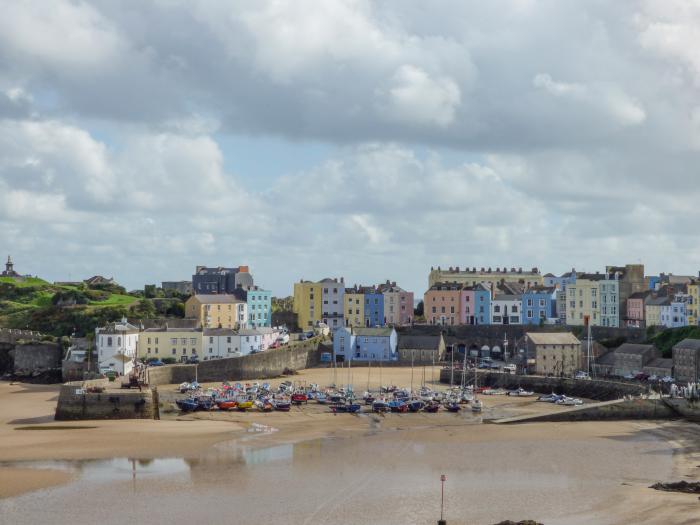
(245, 403)
(347, 408)
(520, 392)
(550, 398)
(187, 405)
(380, 405)
(264, 405)
(476, 405)
(432, 407)
(184, 387)
(282, 405)
(227, 404)
(299, 397)
(398, 405)
(569, 401)
(205, 403)
(321, 398)
(414, 405)
(453, 407)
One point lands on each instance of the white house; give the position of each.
(220, 343)
(365, 344)
(505, 309)
(117, 345)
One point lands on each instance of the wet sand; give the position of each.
(309, 466)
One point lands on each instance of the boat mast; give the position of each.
(369, 369)
(452, 367)
(412, 371)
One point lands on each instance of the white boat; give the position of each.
(569, 401)
(521, 392)
(477, 405)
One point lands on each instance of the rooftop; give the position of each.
(689, 344)
(373, 332)
(217, 298)
(419, 342)
(633, 348)
(553, 338)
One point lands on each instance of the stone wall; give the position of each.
(10, 335)
(267, 364)
(593, 389)
(615, 411)
(74, 403)
(493, 335)
(36, 357)
(170, 374)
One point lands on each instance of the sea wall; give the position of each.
(267, 364)
(75, 403)
(689, 409)
(594, 389)
(170, 374)
(36, 357)
(612, 411)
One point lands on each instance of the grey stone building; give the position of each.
(686, 361)
(182, 287)
(553, 353)
(632, 358)
(220, 280)
(421, 349)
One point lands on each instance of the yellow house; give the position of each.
(693, 305)
(179, 343)
(307, 303)
(652, 310)
(582, 300)
(217, 311)
(354, 308)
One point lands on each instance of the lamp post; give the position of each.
(442, 521)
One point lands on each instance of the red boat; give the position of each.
(299, 398)
(227, 405)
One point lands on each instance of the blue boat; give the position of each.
(453, 407)
(205, 403)
(187, 405)
(397, 405)
(345, 408)
(380, 406)
(415, 405)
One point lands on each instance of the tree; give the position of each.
(144, 309)
(418, 311)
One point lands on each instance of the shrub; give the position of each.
(169, 360)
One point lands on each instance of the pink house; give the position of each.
(635, 309)
(475, 305)
(441, 304)
(398, 304)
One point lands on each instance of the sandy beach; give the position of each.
(600, 471)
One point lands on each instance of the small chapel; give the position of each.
(9, 269)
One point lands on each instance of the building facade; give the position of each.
(554, 353)
(178, 343)
(610, 301)
(307, 303)
(583, 300)
(332, 305)
(354, 307)
(630, 280)
(220, 280)
(636, 305)
(374, 307)
(117, 346)
(259, 306)
(505, 309)
(487, 276)
(398, 304)
(686, 361)
(365, 344)
(441, 304)
(538, 305)
(217, 311)
(474, 305)
(693, 304)
(654, 308)
(181, 287)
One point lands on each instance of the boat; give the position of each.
(349, 408)
(265, 406)
(432, 407)
(380, 405)
(550, 398)
(477, 405)
(398, 405)
(227, 404)
(282, 405)
(187, 405)
(520, 392)
(414, 405)
(205, 403)
(184, 387)
(569, 401)
(453, 407)
(244, 403)
(493, 392)
(321, 398)
(299, 397)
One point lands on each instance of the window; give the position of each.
(529, 302)
(529, 314)
(193, 341)
(174, 351)
(211, 340)
(109, 341)
(183, 340)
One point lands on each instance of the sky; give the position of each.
(369, 140)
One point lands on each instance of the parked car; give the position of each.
(276, 344)
(582, 375)
(193, 360)
(641, 376)
(653, 377)
(667, 379)
(155, 362)
(628, 376)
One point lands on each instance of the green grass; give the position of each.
(116, 300)
(24, 283)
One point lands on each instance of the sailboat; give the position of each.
(476, 403)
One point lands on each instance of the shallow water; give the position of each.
(387, 477)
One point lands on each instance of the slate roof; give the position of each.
(660, 362)
(691, 344)
(553, 338)
(217, 298)
(633, 348)
(373, 332)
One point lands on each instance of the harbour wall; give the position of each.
(75, 403)
(36, 357)
(607, 411)
(687, 408)
(589, 389)
(263, 365)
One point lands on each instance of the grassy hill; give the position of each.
(667, 339)
(35, 304)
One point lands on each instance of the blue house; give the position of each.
(259, 305)
(374, 307)
(365, 344)
(538, 305)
